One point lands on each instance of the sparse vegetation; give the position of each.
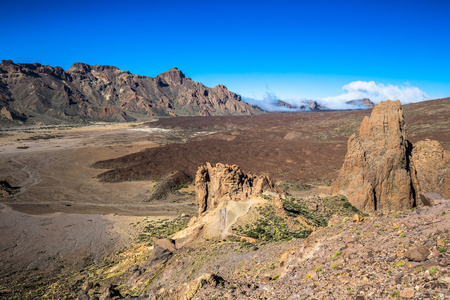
(336, 254)
(400, 264)
(433, 270)
(270, 227)
(162, 228)
(40, 137)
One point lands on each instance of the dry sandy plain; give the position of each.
(63, 214)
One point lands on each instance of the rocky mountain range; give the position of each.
(313, 105)
(39, 93)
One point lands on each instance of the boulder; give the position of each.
(358, 218)
(419, 253)
(222, 183)
(431, 164)
(375, 175)
(163, 248)
(188, 291)
(430, 199)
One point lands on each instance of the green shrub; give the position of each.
(433, 270)
(336, 254)
(400, 264)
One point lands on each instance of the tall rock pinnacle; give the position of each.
(376, 172)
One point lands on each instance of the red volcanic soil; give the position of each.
(291, 146)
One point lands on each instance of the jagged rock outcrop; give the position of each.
(383, 171)
(285, 104)
(362, 103)
(86, 92)
(214, 185)
(375, 175)
(431, 164)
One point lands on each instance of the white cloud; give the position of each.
(268, 103)
(376, 93)
(353, 91)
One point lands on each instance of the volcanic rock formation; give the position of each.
(86, 92)
(380, 173)
(431, 164)
(222, 183)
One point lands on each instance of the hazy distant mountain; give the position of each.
(305, 105)
(285, 104)
(362, 103)
(35, 92)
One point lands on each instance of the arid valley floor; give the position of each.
(69, 216)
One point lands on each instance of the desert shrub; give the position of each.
(433, 270)
(162, 228)
(336, 254)
(295, 208)
(270, 227)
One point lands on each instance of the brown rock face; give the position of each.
(384, 172)
(431, 164)
(86, 92)
(419, 253)
(375, 174)
(214, 185)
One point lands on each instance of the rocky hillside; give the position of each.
(35, 92)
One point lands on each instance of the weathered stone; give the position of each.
(6, 113)
(430, 199)
(444, 280)
(375, 175)
(358, 218)
(188, 291)
(214, 185)
(407, 293)
(419, 253)
(163, 248)
(431, 162)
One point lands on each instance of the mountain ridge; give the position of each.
(35, 92)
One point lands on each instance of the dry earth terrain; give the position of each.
(63, 215)
(303, 147)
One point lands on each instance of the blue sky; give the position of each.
(291, 49)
